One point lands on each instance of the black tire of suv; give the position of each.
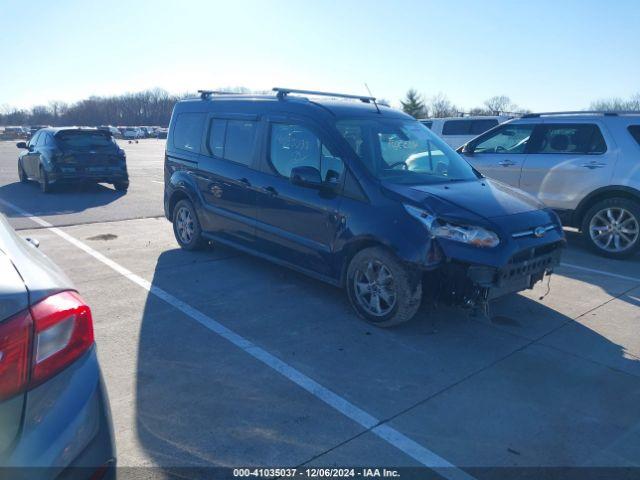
(45, 186)
(21, 173)
(121, 186)
(630, 205)
(408, 290)
(197, 241)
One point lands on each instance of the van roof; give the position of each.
(243, 103)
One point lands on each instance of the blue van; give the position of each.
(355, 194)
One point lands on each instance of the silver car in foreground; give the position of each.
(55, 420)
(585, 165)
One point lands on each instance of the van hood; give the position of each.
(482, 198)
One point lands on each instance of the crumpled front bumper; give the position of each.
(469, 284)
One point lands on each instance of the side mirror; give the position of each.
(21, 145)
(467, 149)
(306, 177)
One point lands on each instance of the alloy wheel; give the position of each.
(614, 229)
(185, 225)
(375, 289)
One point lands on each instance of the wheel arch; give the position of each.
(356, 245)
(612, 191)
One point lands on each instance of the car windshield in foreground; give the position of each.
(80, 139)
(403, 151)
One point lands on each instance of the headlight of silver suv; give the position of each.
(470, 234)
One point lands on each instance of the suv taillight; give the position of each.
(36, 345)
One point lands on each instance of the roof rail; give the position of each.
(283, 92)
(610, 113)
(206, 94)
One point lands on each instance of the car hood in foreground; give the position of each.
(483, 198)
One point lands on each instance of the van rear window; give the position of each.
(634, 130)
(187, 133)
(468, 127)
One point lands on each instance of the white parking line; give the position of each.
(387, 433)
(600, 272)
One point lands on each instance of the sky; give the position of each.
(543, 54)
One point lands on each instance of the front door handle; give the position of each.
(271, 191)
(245, 181)
(593, 165)
(506, 163)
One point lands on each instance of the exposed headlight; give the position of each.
(471, 234)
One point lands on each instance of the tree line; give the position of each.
(149, 107)
(154, 107)
(440, 106)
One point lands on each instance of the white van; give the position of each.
(457, 131)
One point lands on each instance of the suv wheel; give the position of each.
(45, 186)
(186, 226)
(612, 227)
(21, 173)
(380, 288)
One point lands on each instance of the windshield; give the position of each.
(403, 151)
(80, 139)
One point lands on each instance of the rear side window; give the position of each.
(240, 139)
(634, 130)
(456, 127)
(468, 127)
(481, 126)
(570, 138)
(187, 134)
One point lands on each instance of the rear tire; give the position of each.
(45, 186)
(611, 227)
(186, 226)
(21, 174)
(381, 289)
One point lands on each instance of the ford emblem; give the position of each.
(539, 232)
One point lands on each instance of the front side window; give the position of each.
(568, 138)
(403, 151)
(187, 133)
(293, 146)
(508, 139)
(427, 124)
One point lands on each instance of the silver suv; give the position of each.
(585, 165)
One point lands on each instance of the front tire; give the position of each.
(45, 186)
(186, 226)
(381, 290)
(611, 227)
(21, 173)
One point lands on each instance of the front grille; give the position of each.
(531, 232)
(533, 261)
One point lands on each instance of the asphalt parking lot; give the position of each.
(215, 358)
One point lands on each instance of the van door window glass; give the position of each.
(570, 138)
(215, 142)
(296, 146)
(507, 140)
(187, 134)
(634, 130)
(240, 139)
(427, 124)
